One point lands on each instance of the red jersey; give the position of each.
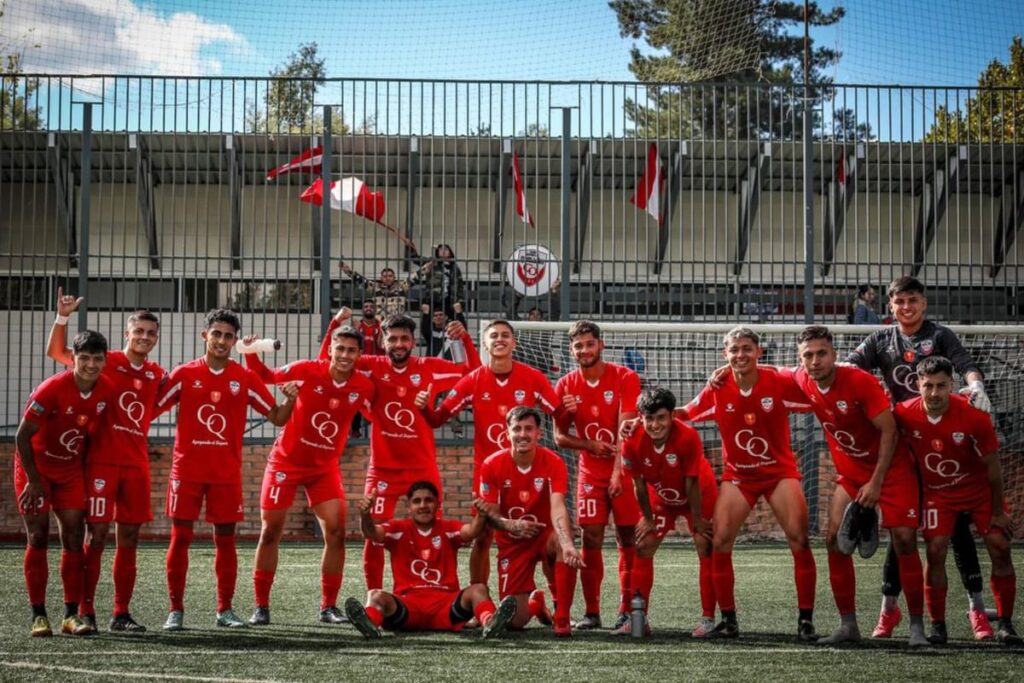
(371, 337)
(124, 440)
(317, 431)
(492, 397)
(423, 559)
(65, 417)
(212, 408)
(597, 415)
(754, 425)
(519, 494)
(666, 469)
(949, 451)
(845, 411)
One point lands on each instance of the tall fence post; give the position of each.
(83, 239)
(325, 226)
(563, 291)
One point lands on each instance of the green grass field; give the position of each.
(298, 648)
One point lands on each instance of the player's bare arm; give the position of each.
(646, 524)
(372, 532)
(560, 520)
(280, 413)
(885, 423)
(57, 344)
(33, 494)
(701, 526)
(517, 528)
(995, 481)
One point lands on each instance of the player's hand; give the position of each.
(615, 484)
(869, 494)
(627, 427)
(344, 267)
(365, 504)
(572, 557)
(32, 497)
(423, 397)
(455, 330)
(249, 339)
(702, 527)
(457, 307)
(343, 314)
(977, 396)
(67, 304)
(717, 378)
(601, 449)
(425, 309)
(569, 403)
(290, 390)
(643, 528)
(524, 528)
(1002, 521)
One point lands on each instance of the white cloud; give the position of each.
(117, 36)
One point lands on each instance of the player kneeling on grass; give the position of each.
(426, 593)
(955, 447)
(672, 479)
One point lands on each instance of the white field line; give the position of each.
(134, 674)
(418, 653)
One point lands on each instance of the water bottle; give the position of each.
(458, 350)
(258, 346)
(637, 616)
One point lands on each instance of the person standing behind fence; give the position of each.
(441, 274)
(862, 310)
(390, 294)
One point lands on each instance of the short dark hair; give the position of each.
(500, 321)
(933, 365)
(422, 484)
(581, 327)
(654, 399)
(387, 270)
(905, 285)
(142, 314)
(864, 289)
(812, 332)
(347, 332)
(402, 322)
(223, 315)
(89, 341)
(741, 332)
(521, 413)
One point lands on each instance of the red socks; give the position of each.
(591, 576)
(261, 583)
(936, 599)
(1004, 588)
(912, 580)
(72, 571)
(627, 554)
(124, 578)
(225, 566)
(375, 616)
(177, 564)
(643, 577)
(724, 581)
(373, 565)
(707, 588)
(330, 584)
(484, 611)
(844, 582)
(805, 575)
(37, 573)
(565, 587)
(93, 563)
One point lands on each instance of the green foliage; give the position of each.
(290, 96)
(17, 109)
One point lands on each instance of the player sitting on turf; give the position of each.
(426, 594)
(529, 482)
(955, 447)
(60, 415)
(673, 479)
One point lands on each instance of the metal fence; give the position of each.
(153, 192)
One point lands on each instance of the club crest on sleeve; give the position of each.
(767, 404)
(235, 387)
(958, 438)
(749, 418)
(520, 395)
(215, 396)
(280, 476)
(99, 484)
(36, 408)
(538, 483)
(671, 459)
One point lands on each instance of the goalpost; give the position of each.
(681, 356)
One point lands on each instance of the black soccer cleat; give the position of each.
(1007, 635)
(123, 622)
(938, 634)
(332, 615)
(260, 617)
(724, 630)
(805, 632)
(848, 534)
(360, 620)
(867, 542)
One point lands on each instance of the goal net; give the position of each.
(681, 356)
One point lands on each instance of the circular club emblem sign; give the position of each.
(532, 270)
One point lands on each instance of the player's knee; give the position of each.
(98, 535)
(593, 536)
(37, 538)
(477, 592)
(646, 549)
(374, 596)
(127, 535)
(904, 540)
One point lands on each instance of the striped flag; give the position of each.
(647, 196)
(517, 182)
(307, 162)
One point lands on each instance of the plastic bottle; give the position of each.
(637, 616)
(257, 346)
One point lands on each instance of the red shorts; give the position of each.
(900, 501)
(940, 515)
(753, 490)
(64, 491)
(517, 563)
(391, 485)
(429, 610)
(593, 504)
(665, 514)
(223, 501)
(118, 494)
(279, 487)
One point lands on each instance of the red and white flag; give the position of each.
(517, 182)
(348, 194)
(841, 170)
(307, 162)
(648, 189)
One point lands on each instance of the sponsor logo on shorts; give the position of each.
(99, 484)
(382, 486)
(280, 476)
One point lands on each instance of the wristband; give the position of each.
(61, 320)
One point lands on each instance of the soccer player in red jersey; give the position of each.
(117, 463)
(492, 390)
(60, 415)
(213, 394)
(672, 479)
(604, 394)
(306, 453)
(369, 328)
(751, 409)
(854, 411)
(955, 447)
(402, 447)
(426, 594)
(528, 482)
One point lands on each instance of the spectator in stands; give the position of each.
(432, 331)
(547, 306)
(862, 308)
(390, 294)
(443, 278)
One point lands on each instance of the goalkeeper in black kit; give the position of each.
(895, 352)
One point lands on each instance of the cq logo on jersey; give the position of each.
(498, 435)
(133, 408)
(324, 426)
(212, 420)
(424, 571)
(401, 417)
(596, 432)
(845, 440)
(945, 468)
(71, 440)
(905, 376)
(755, 446)
(671, 496)
(520, 513)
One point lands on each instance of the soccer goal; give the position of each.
(681, 356)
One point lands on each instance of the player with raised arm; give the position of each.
(673, 479)
(529, 482)
(117, 463)
(955, 447)
(60, 415)
(306, 453)
(604, 394)
(426, 594)
(213, 394)
(402, 446)
(895, 352)
(854, 412)
(492, 390)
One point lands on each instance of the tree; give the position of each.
(291, 94)
(996, 111)
(846, 128)
(16, 92)
(710, 59)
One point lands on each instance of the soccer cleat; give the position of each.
(705, 626)
(260, 617)
(124, 622)
(846, 633)
(888, 620)
(562, 628)
(589, 622)
(175, 621)
(75, 626)
(805, 632)
(41, 627)
(917, 637)
(537, 606)
(506, 611)
(627, 628)
(980, 624)
(725, 629)
(623, 618)
(938, 634)
(332, 615)
(1006, 634)
(228, 619)
(90, 620)
(849, 531)
(360, 620)
(867, 541)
